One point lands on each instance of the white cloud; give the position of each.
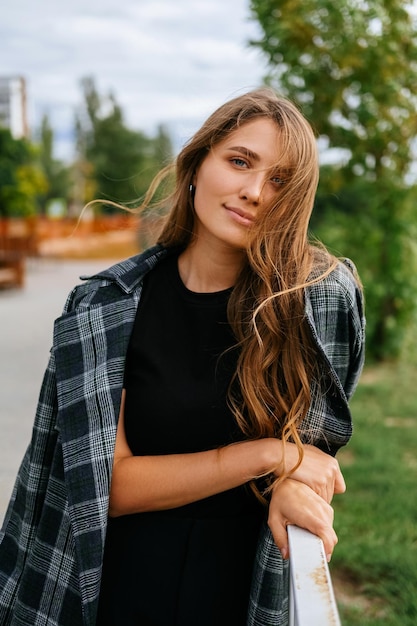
(166, 62)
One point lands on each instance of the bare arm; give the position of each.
(151, 483)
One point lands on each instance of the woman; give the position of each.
(193, 391)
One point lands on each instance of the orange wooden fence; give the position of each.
(22, 238)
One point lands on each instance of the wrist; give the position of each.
(284, 456)
(273, 455)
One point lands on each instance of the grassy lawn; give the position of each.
(374, 566)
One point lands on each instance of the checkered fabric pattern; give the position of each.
(52, 539)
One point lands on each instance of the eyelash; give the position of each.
(236, 159)
(276, 180)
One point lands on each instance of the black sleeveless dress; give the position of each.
(188, 566)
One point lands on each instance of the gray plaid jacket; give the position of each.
(52, 539)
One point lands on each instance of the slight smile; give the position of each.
(240, 216)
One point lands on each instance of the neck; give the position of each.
(206, 271)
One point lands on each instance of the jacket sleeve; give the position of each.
(335, 313)
(26, 503)
(52, 539)
(356, 324)
(28, 497)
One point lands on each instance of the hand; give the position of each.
(318, 470)
(293, 502)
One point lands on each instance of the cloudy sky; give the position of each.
(166, 61)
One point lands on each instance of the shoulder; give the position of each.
(119, 281)
(335, 314)
(335, 306)
(340, 288)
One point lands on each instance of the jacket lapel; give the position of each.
(91, 342)
(90, 365)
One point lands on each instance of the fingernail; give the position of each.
(329, 557)
(284, 553)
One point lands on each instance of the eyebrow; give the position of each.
(246, 152)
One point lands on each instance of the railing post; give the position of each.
(312, 601)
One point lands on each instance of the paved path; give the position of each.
(26, 322)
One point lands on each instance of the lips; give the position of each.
(241, 216)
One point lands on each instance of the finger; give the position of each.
(330, 540)
(323, 528)
(339, 485)
(280, 536)
(325, 492)
(330, 493)
(285, 552)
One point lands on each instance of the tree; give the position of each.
(352, 67)
(55, 172)
(378, 229)
(21, 180)
(162, 146)
(124, 161)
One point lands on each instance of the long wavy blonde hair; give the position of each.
(270, 392)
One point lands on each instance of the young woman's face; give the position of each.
(237, 178)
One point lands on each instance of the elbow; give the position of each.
(119, 491)
(114, 509)
(117, 500)
(115, 506)
(120, 501)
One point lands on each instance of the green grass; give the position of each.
(374, 566)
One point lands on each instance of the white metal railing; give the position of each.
(312, 601)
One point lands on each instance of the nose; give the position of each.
(252, 188)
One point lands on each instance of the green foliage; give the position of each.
(56, 173)
(21, 180)
(378, 229)
(352, 67)
(376, 557)
(123, 161)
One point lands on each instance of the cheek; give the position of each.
(210, 178)
(270, 201)
(201, 202)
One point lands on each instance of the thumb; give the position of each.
(339, 485)
(279, 533)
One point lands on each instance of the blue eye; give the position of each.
(239, 162)
(277, 180)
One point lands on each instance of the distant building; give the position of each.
(13, 108)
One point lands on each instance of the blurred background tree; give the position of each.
(57, 174)
(21, 179)
(123, 161)
(352, 68)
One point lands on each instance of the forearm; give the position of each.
(150, 483)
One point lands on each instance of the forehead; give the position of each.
(261, 137)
